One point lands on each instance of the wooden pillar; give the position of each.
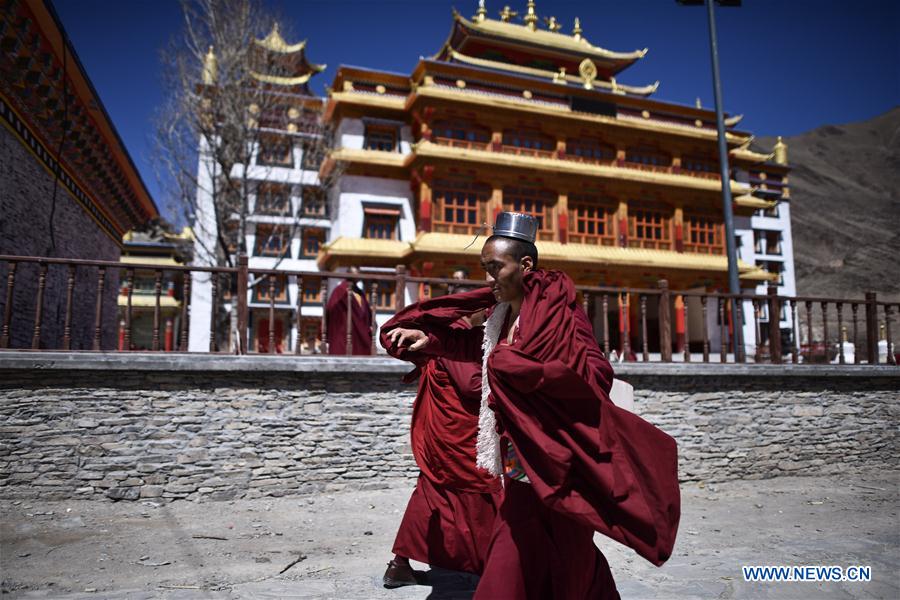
(665, 321)
(680, 330)
(871, 328)
(679, 228)
(426, 207)
(676, 164)
(622, 224)
(561, 148)
(562, 212)
(495, 205)
(774, 325)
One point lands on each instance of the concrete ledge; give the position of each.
(14, 360)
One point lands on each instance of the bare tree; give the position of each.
(226, 104)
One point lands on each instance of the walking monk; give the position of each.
(571, 462)
(450, 516)
(360, 321)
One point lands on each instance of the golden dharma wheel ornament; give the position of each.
(460, 83)
(588, 71)
(380, 89)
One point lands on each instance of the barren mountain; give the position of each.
(845, 207)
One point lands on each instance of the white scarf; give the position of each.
(487, 446)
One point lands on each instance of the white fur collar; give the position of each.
(487, 447)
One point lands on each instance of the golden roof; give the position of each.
(275, 43)
(744, 153)
(612, 86)
(276, 80)
(751, 201)
(455, 244)
(551, 39)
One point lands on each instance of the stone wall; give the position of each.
(26, 203)
(207, 427)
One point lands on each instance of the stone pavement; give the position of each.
(216, 550)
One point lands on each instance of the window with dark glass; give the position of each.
(381, 222)
(650, 226)
(703, 234)
(459, 133)
(592, 220)
(262, 291)
(311, 240)
(535, 201)
(381, 137)
(528, 141)
(312, 291)
(589, 150)
(273, 199)
(314, 203)
(648, 157)
(701, 166)
(275, 151)
(460, 205)
(313, 155)
(272, 241)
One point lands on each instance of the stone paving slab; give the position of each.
(90, 549)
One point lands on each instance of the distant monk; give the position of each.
(450, 516)
(360, 318)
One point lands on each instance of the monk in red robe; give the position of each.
(450, 516)
(360, 319)
(572, 462)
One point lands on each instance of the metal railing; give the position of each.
(632, 324)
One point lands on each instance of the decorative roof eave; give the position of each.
(344, 247)
(565, 112)
(275, 43)
(612, 86)
(557, 41)
(750, 201)
(744, 154)
(276, 80)
(372, 157)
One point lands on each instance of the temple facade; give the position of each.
(513, 113)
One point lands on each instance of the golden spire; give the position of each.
(210, 68)
(481, 13)
(780, 151)
(697, 103)
(506, 14)
(531, 18)
(576, 31)
(552, 25)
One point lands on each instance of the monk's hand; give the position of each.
(412, 339)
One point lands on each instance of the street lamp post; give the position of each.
(734, 285)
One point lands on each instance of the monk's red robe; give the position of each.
(591, 465)
(336, 320)
(450, 516)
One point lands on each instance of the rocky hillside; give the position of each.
(845, 207)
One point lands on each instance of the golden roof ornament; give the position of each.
(697, 102)
(552, 24)
(481, 13)
(576, 31)
(531, 18)
(780, 151)
(506, 14)
(275, 43)
(210, 68)
(588, 71)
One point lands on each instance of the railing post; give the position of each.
(665, 322)
(871, 328)
(241, 292)
(400, 294)
(774, 329)
(7, 311)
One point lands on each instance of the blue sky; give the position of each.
(787, 65)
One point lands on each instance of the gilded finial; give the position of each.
(506, 14)
(531, 18)
(560, 77)
(481, 13)
(210, 68)
(576, 31)
(780, 151)
(552, 25)
(697, 102)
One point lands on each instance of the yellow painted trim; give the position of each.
(630, 123)
(148, 301)
(364, 99)
(431, 150)
(748, 201)
(750, 155)
(164, 261)
(372, 157)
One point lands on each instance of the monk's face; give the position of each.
(504, 272)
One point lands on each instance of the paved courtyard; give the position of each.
(336, 545)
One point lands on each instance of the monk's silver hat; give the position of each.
(516, 225)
